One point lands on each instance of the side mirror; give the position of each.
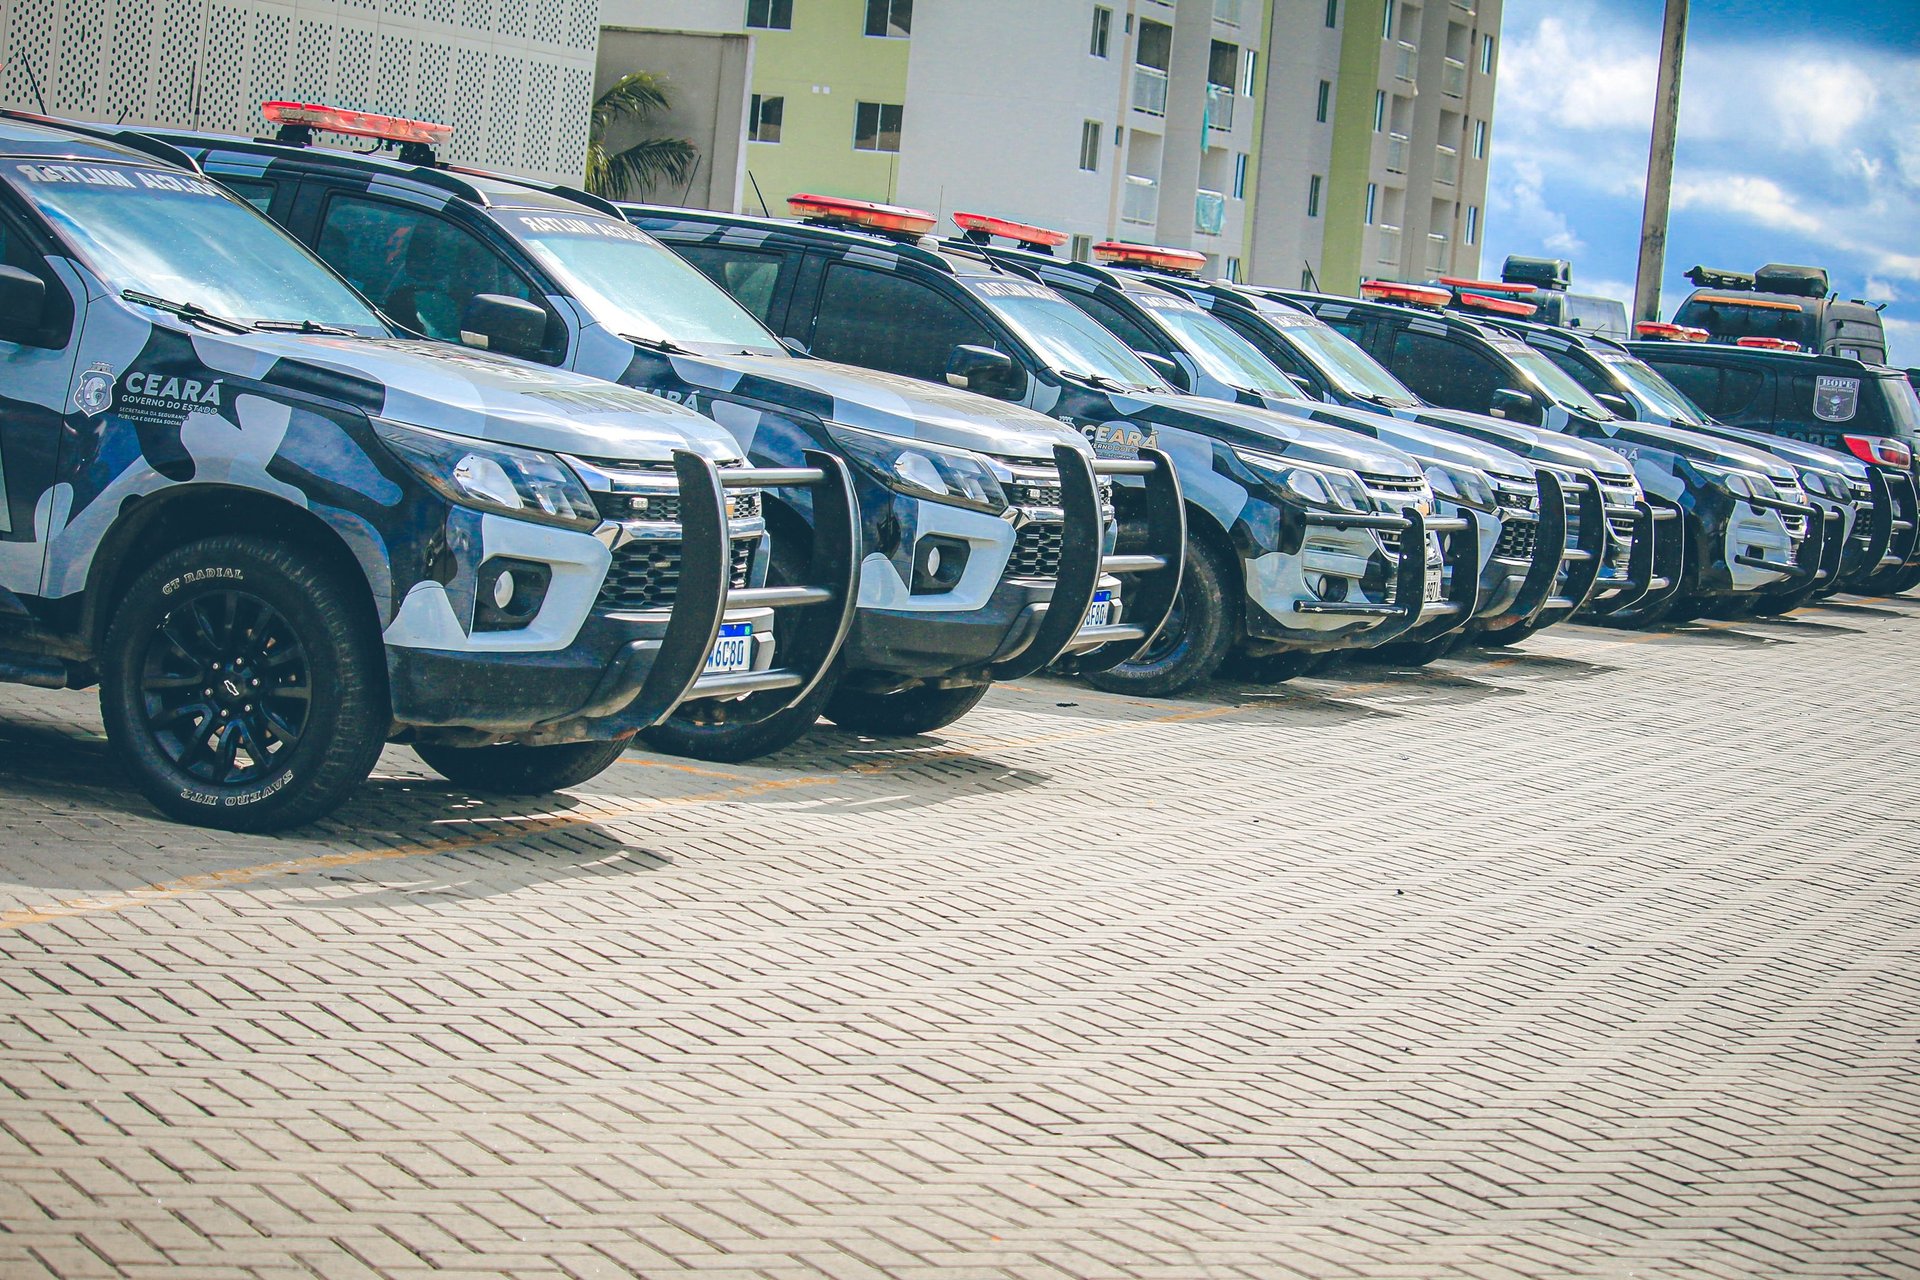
(511, 326)
(1514, 406)
(982, 369)
(1167, 369)
(796, 346)
(23, 305)
(1615, 405)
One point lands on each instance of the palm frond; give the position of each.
(636, 95)
(640, 166)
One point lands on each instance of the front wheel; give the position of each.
(1199, 632)
(1514, 633)
(515, 770)
(243, 685)
(902, 714)
(726, 732)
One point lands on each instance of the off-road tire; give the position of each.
(900, 715)
(692, 732)
(1273, 668)
(1507, 636)
(317, 626)
(1197, 638)
(511, 769)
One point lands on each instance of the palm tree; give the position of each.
(636, 96)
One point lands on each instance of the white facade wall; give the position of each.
(514, 77)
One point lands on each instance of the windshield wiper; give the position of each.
(662, 345)
(185, 310)
(303, 326)
(1102, 381)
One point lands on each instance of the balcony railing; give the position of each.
(1150, 90)
(1209, 212)
(1439, 254)
(1220, 106)
(1397, 152)
(1386, 246)
(1141, 201)
(1453, 78)
(1405, 61)
(1446, 165)
(1227, 11)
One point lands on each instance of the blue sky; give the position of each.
(1799, 142)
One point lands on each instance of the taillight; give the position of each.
(1881, 451)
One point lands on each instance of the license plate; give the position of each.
(1434, 584)
(733, 651)
(1100, 610)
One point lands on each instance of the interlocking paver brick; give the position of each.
(1591, 959)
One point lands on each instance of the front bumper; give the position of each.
(1524, 588)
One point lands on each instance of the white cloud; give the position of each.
(1563, 74)
(1744, 195)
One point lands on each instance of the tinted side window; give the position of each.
(885, 322)
(748, 274)
(1580, 371)
(415, 265)
(1282, 355)
(255, 191)
(1443, 372)
(1117, 322)
(1699, 382)
(1731, 395)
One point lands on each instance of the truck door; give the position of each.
(36, 400)
(760, 279)
(881, 320)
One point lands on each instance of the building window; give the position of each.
(1082, 249)
(1473, 224)
(763, 118)
(890, 18)
(1386, 21)
(1479, 139)
(1249, 73)
(1233, 270)
(1373, 194)
(1486, 55)
(1324, 102)
(1240, 175)
(876, 126)
(1313, 196)
(770, 15)
(1102, 28)
(1379, 110)
(1090, 145)
(1333, 13)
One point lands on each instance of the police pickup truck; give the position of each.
(1745, 521)
(982, 525)
(278, 534)
(1297, 531)
(1783, 303)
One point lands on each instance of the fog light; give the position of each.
(1332, 589)
(509, 593)
(938, 564)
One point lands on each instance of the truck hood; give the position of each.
(471, 393)
(1798, 452)
(875, 401)
(1423, 442)
(1696, 446)
(1287, 435)
(1536, 443)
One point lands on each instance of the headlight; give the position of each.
(1468, 486)
(922, 470)
(523, 483)
(1826, 484)
(1738, 483)
(1307, 484)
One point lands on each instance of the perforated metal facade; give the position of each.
(515, 77)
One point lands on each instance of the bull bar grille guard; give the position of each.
(1154, 573)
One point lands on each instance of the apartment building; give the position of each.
(1324, 139)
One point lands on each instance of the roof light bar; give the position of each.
(981, 228)
(1417, 295)
(1486, 286)
(1119, 253)
(1498, 306)
(1661, 331)
(892, 219)
(359, 124)
(1881, 451)
(1758, 304)
(1768, 344)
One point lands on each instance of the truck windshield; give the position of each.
(1644, 382)
(1345, 363)
(179, 237)
(1556, 382)
(1222, 353)
(1903, 405)
(636, 286)
(1065, 338)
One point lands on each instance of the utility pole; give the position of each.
(1666, 124)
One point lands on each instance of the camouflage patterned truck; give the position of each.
(985, 526)
(279, 535)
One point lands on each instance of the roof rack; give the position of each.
(1713, 278)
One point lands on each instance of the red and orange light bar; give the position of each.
(1485, 286)
(1758, 304)
(1021, 232)
(1119, 253)
(359, 124)
(1417, 295)
(1496, 306)
(1661, 331)
(1767, 344)
(865, 214)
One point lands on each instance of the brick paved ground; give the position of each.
(1601, 958)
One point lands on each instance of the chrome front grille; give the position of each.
(1395, 492)
(645, 575)
(742, 504)
(1036, 491)
(1517, 492)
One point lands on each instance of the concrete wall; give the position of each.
(709, 77)
(514, 77)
